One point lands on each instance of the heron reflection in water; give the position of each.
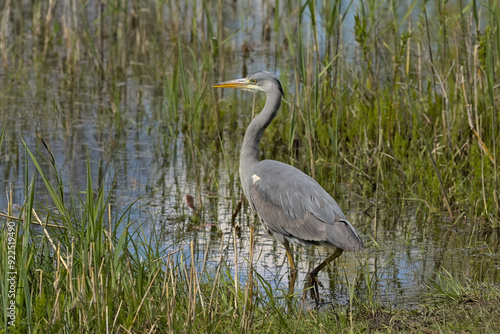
(293, 207)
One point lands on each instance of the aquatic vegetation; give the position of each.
(108, 122)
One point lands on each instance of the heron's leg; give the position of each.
(323, 264)
(289, 255)
(293, 270)
(312, 281)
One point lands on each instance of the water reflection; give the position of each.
(130, 129)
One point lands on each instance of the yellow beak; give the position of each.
(238, 83)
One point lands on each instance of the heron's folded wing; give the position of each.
(293, 204)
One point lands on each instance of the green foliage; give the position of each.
(100, 277)
(389, 102)
(446, 287)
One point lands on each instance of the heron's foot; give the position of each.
(312, 284)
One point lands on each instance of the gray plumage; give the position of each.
(293, 206)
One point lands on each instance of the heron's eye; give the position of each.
(253, 81)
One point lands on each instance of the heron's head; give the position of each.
(261, 81)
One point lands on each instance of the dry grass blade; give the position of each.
(143, 299)
(32, 222)
(54, 247)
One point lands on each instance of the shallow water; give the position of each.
(143, 156)
(401, 257)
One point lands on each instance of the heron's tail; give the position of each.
(343, 235)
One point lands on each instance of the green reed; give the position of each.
(88, 267)
(402, 114)
(393, 103)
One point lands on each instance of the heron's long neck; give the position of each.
(250, 149)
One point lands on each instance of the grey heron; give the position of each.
(293, 207)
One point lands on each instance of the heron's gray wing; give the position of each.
(295, 206)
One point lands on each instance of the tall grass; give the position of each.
(370, 86)
(87, 267)
(391, 106)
